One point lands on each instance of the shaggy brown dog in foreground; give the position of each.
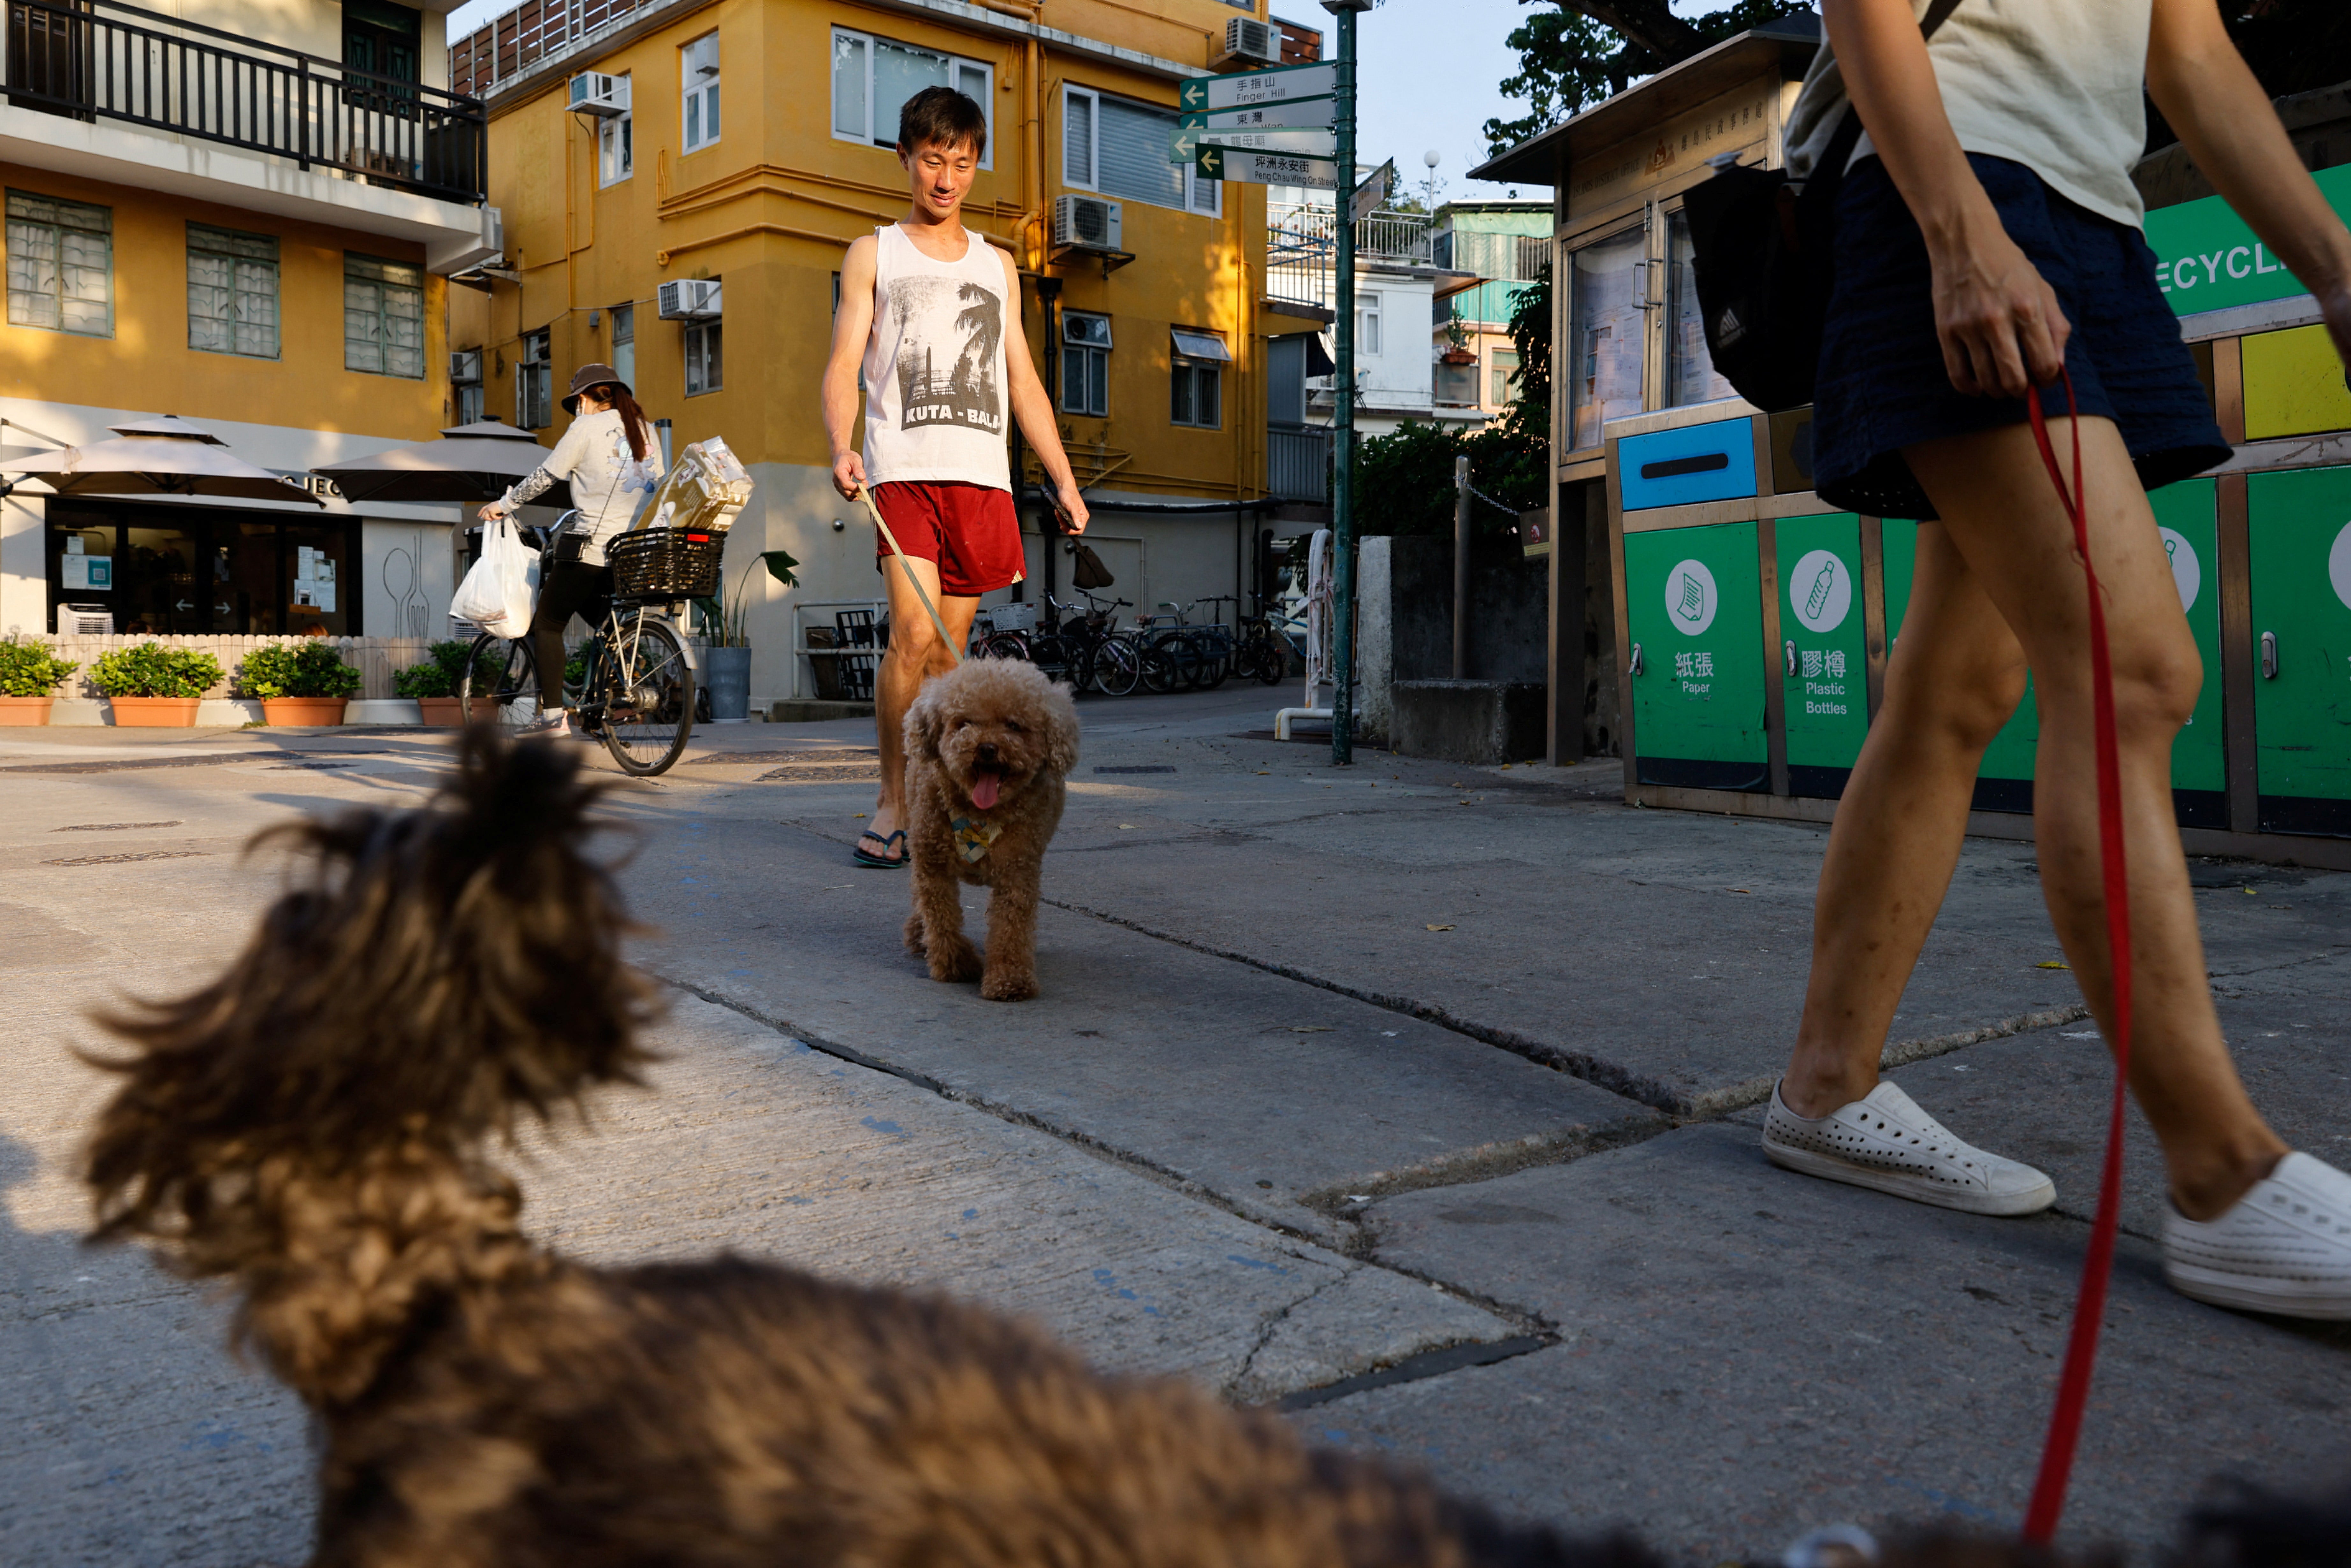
(314, 1127)
(989, 746)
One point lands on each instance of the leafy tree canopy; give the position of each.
(1573, 53)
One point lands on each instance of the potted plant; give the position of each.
(725, 660)
(307, 684)
(29, 677)
(152, 685)
(434, 683)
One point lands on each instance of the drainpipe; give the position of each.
(1049, 294)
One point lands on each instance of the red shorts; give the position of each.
(970, 531)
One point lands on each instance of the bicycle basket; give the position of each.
(665, 564)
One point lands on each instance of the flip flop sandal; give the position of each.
(857, 851)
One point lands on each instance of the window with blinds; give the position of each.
(1119, 148)
(232, 292)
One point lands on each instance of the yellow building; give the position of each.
(266, 255)
(680, 180)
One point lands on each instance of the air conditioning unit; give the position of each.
(1087, 222)
(85, 621)
(465, 367)
(1247, 38)
(689, 299)
(593, 92)
(1085, 330)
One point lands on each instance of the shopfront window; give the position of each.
(1604, 335)
(161, 571)
(1690, 372)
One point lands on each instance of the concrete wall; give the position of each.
(1404, 630)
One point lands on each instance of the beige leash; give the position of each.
(914, 582)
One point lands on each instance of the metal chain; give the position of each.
(1490, 500)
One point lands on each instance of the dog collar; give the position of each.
(974, 835)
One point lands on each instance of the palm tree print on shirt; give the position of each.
(943, 321)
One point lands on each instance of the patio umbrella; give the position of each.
(167, 456)
(470, 462)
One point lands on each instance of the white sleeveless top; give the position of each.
(2055, 85)
(935, 389)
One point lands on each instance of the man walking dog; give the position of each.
(931, 314)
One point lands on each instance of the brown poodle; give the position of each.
(989, 746)
(316, 1127)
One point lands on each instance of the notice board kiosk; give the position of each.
(1752, 623)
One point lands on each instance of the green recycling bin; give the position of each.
(1694, 613)
(2299, 525)
(1823, 653)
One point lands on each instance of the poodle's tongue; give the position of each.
(983, 791)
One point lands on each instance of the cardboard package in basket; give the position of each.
(702, 492)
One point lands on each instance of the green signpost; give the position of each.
(1264, 168)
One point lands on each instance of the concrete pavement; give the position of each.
(1342, 1083)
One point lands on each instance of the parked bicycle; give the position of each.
(637, 683)
(1078, 646)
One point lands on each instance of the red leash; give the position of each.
(2090, 1307)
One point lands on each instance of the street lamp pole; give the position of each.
(1342, 422)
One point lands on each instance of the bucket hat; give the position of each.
(593, 375)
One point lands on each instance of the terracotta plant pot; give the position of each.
(441, 713)
(303, 710)
(1459, 357)
(25, 710)
(158, 713)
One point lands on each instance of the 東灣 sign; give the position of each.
(2207, 259)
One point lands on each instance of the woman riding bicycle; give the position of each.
(612, 462)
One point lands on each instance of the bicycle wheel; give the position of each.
(1184, 654)
(1269, 661)
(1004, 646)
(1159, 671)
(1055, 654)
(642, 695)
(1117, 669)
(1215, 659)
(500, 685)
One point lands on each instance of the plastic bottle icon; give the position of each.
(1818, 599)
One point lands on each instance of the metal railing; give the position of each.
(1301, 245)
(94, 59)
(1298, 463)
(517, 39)
(1497, 258)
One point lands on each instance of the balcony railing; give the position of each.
(1302, 246)
(93, 60)
(1298, 463)
(518, 39)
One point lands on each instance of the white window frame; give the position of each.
(1367, 314)
(886, 136)
(702, 94)
(699, 338)
(534, 385)
(625, 344)
(1090, 177)
(616, 140)
(1094, 355)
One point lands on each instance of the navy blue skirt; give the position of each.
(1882, 385)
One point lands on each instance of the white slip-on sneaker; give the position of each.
(2284, 1248)
(1888, 1144)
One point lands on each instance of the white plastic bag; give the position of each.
(502, 589)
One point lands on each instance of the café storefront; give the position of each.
(168, 567)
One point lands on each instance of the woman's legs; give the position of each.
(2005, 526)
(2004, 515)
(567, 588)
(1954, 677)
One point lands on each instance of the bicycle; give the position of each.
(1175, 658)
(1081, 649)
(1263, 651)
(637, 689)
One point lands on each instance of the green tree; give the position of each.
(1573, 53)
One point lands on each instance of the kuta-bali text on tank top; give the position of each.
(935, 400)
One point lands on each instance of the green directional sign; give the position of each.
(1320, 112)
(1244, 89)
(1183, 144)
(1266, 168)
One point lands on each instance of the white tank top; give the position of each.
(934, 389)
(2055, 85)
